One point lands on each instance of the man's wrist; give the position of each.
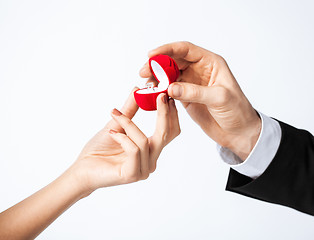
(242, 144)
(261, 155)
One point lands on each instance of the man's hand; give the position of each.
(212, 97)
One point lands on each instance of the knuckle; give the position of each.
(143, 142)
(220, 58)
(127, 121)
(178, 132)
(135, 150)
(220, 61)
(194, 92)
(174, 134)
(183, 44)
(145, 176)
(152, 168)
(133, 177)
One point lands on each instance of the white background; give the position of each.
(65, 64)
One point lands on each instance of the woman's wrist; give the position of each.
(77, 178)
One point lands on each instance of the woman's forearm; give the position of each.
(31, 216)
(120, 153)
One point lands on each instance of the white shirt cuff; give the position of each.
(261, 155)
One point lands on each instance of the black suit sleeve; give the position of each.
(289, 179)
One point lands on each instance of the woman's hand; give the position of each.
(120, 153)
(212, 97)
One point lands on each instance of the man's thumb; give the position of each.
(188, 92)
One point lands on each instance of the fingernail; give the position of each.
(116, 112)
(176, 90)
(164, 98)
(171, 101)
(112, 131)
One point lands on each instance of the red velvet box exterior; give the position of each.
(147, 101)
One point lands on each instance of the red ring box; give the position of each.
(165, 71)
